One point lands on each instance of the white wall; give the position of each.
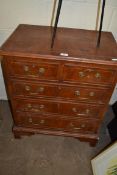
(74, 13)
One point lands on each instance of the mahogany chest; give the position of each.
(64, 90)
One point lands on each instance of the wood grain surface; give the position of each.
(61, 91)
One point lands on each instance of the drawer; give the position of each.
(87, 75)
(33, 70)
(35, 106)
(21, 88)
(81, 110)
(43, 122)
(85, 93)
(73, 110)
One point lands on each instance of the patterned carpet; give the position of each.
(43, 154)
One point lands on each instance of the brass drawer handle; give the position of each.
(29, 105)
(81, 74)
(71, 125)
(41, 70)
(27, 88)
(77, 93)
(30, 120)
(74, 109)
(35, 109)
(42, 121)
(92, 94)
(41, 106)
(98, 75)
(40, 89)
(26, 68)
(77, 128)
(81, 126)
(87, 111)
(59, 88)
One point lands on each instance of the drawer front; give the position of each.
(32, 89)
(66, 110)
(35, 106)
(43, 122)
(87, 75)
(85, 93)
(33, 70)
(80, 110)
(20, 88)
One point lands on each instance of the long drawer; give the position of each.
(60, 108)
(39, 121)
(34, 89)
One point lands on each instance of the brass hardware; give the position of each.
(87, 111)
(41, 89)
(30, 120)
(81, 114)
(26, 68)
(35, 110)
(41, 106)
(83, 126)
(33, 93)
(27, 88)
(41, 70)
(42, 121)
(81, 74)
(72, 125)
(89, 70)
(74, 109)
(29, 105)
(77, 93)
(97, 75)
(92, 94)
(59, 87)
(77, 128)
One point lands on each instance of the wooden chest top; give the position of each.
(35, 41)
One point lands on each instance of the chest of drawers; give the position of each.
(50, 93)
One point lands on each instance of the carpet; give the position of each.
(44, 154)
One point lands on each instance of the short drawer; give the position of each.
(32, 70)
(35, 106)
(43, 122)
(24, 89)
(87, 75)
(81, 110)
(85, 93)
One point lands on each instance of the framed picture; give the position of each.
(106, 162)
